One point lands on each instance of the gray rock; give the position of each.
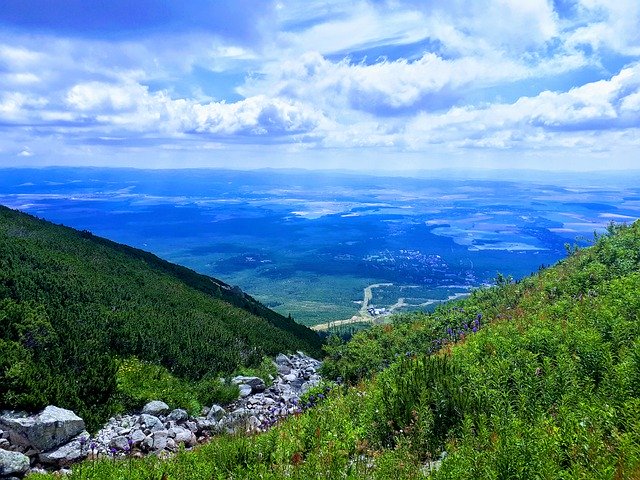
(256, 383)
(159, 440)
(216, 412)
(147, 443)
(282, 359)
(291, 377)
(152, 423)
(119, 443)
(178, 415)
(182, 435)
(4, 444)
(193, 426)
(51, 428)
(156, 408)
(245, 390)
(204, 424)
(137, 437)
(171, 445)
(13, 462)
(67, 453)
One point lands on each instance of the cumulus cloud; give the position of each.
(133, 106)
(608, 25)
(398, 75)
(533, 121)
(384, 87)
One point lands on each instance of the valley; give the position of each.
(307, 243)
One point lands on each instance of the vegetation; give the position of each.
(72, 305)
(532, 379)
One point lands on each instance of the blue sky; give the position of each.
(367, 85)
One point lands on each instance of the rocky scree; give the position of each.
(56, 438)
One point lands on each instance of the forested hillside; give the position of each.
(71, 304)
(532, 379)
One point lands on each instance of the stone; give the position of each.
(178, 415)
(193, 426)
(282, 359)
(4, 444)
(245, 390)
(68, 453)
(137, 437)
(159, 440)
(155, 408)
(171, 445)
(291, 377)
(13, 463)
(182, 435)
(152, 423)
(216, 412)
(49, 429)
(119, 443)
(204, 424)
(147, 443)
(256, 383)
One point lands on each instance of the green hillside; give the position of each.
(537, 379)
(72, 303)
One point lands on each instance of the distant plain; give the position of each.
(309, 243)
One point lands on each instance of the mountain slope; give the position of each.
(71, 302)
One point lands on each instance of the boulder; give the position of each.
(159, 440)
(282, 359)
(13, 463)
(216, 412)
(137, 437)
(155, 408)
(149, 421)
(119, 443)
(182, 435)
(256, 383)
(51, 428)
(205, 424)
(290, 377)
(245, 390)
(178, 415)
(171, 445)
(75, 450)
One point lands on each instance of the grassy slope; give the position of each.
(70, 302)
(548, 387)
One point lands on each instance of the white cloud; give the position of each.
(609, 24)
(133, 106)
(399, 75)
(561, 119)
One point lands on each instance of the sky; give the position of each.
(375, 85)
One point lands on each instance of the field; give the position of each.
(308, 244)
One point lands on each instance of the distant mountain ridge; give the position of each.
(71, 303)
